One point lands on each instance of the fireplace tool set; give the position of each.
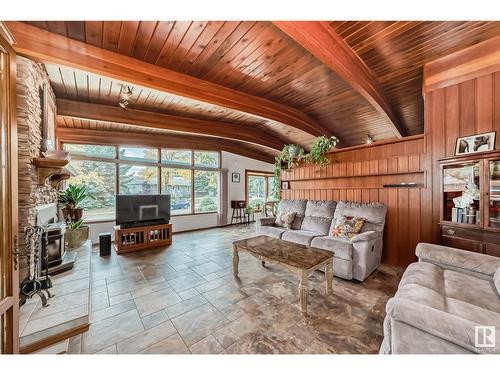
(37, 281)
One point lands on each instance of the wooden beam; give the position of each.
(45, 46)
(319, 38)
(117, 115)
(469, 63)
(110, 137)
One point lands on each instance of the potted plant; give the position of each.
(71, 199)
(319, 148)
(76, 233)
(286, 158)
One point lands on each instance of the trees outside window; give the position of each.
(190, 177)
(139, 154)
(100, 179)
(206, 191)
(262, 187)
(181, 157)
(178, 183)
(209, 159)
(136, 179)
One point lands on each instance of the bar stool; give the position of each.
(238, 211)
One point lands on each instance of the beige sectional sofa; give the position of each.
(356, 258)
(440, 302)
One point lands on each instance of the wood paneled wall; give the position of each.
(358, 174)
(466, 108)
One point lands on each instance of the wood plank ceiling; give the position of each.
(259, 59)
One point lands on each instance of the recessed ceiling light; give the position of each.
(369, 140)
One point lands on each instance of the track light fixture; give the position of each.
(125, 95)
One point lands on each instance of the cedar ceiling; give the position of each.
(259, 59)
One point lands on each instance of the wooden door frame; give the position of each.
(10, 305)
(264, 174)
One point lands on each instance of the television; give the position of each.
(141, 210)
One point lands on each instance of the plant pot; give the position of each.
(72, 214)
(293, 151)
(77, 237)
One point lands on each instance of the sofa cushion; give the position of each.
(347, 226)
(272, 231)
(285, 219)
(302, 237)
(294, 205)
(453, 292)
(445, 303)
(318, 216)
(340, 246)
(374, 213)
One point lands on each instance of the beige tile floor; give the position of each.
(70, 299)
(184, 299)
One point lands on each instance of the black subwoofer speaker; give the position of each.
(104, 244)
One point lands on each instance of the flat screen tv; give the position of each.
(142, 210)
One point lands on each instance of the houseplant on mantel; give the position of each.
(71, 199)
(76, 234)
(291, 155)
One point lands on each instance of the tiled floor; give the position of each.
(184, 299)
(70, 299)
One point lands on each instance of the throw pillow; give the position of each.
(285, 219)
(348, 226)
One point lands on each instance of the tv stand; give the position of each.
(128, 240)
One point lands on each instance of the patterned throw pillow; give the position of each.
(285, 219)
(348, 226)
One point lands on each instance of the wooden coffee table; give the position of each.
(299, 259)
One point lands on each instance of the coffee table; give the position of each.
(299, 259)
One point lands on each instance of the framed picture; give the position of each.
(235, 177)
(475, 143)
(285, 185)
(48, 120)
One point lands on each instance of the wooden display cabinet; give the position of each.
(478, 228)
(140, 238)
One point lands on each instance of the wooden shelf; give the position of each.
(52, 171)
(50, 163)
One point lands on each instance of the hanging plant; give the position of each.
(289, 155)
(319, 148)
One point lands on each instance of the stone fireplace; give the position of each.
(31, 79)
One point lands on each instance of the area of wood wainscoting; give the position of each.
(359, 174)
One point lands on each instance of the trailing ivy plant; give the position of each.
(319, 148)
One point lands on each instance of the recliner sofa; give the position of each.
(444, 303)
(355, 258)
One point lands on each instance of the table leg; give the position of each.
(303, 291)
(236, 260)
(329, 277)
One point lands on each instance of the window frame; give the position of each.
(158, 164)
(266, 175)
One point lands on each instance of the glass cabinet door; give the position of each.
(461, 193)
(494, 194)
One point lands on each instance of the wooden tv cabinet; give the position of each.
(140, 238)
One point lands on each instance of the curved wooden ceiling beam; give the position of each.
(319, 38)
(135, 117)
(50, 47)
(189, 141)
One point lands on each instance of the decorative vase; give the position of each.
(72, 214)
(75, 238)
